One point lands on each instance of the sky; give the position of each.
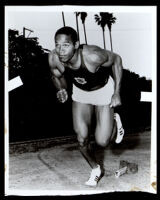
(133, 34)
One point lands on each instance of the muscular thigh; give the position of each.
(104, 126)
(82, 114)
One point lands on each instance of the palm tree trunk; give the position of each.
(77, 27)
(111, 40)
(85, 33)
(63, 19)
(104, 40)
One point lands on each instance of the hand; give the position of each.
(116, 100)
(62, 95)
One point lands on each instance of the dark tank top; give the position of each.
(87, 80)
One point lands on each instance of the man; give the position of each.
(94, 91)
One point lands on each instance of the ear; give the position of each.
(76, 45)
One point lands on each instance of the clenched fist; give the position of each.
(115, 101)
(62, 95)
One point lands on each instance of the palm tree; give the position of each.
(110, 20)
(77, 13)
(104, 19)
(100, 21)
(83, 18)
(63, 19)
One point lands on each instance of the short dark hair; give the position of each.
(68, 31)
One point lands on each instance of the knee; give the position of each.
(82, 136)
(102, 143)
(83, 142)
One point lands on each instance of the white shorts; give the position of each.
(100, 96)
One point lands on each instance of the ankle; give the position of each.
(96, 166)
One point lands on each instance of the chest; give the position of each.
(84, 75)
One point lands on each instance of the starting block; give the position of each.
(126, 167)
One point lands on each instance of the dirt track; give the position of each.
(63, 168)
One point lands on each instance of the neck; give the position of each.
(75, 62)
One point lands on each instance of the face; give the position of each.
(64, 47)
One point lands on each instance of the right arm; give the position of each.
(58, 79)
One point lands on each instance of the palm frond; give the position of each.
(77, 13)
(96, 15)
(83, 16)
(97, 18)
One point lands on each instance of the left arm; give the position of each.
(117, 74)
(107, 58)
(100, 57)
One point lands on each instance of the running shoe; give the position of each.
(94, 177)
(120, 130)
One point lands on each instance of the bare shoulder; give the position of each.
(54, 61)
(95, 54)
(52, 58)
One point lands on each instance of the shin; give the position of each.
(87, 153)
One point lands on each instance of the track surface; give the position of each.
(62, 168)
